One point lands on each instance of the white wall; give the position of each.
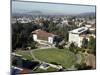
(35, 37)
(74, 38)
(50, 40)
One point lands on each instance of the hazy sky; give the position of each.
(50, 8)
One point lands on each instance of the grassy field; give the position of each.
(59, 56)
(53, 55)
(25, 54)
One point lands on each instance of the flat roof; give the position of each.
(79, 30)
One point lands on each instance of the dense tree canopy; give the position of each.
(21, 34)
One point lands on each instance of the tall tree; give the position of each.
(92, 44)
(84, 43)
(72, 47)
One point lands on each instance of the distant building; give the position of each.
(93, 21)
(75, 35)
(88, 25)
(43, 36)
(23, 20)
(65, 22)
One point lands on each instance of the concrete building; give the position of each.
(75, 35)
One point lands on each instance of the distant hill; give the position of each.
(32, 13)
(36, 12)
(87, 14)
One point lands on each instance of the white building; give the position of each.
(65, 22)
(75, 35)
(43, 37)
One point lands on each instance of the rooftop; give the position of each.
(79, 30)
(43, 35)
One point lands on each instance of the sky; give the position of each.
(21, 7)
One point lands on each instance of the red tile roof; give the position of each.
(42, 35)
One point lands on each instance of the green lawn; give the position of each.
(25, 54)
(59, 56)
(53, 55)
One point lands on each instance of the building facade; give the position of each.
(75, 35)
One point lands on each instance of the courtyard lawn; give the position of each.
(54, 55)
(25, 54)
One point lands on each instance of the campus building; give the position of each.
(76, 35)
(43, 37)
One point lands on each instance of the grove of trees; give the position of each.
(89, 44)
(21, 35)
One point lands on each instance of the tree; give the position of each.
(72, 47)
(33, 45)
(21, 34)
(92, 45)
(83, 66)
(84, 43)
(60, 46)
